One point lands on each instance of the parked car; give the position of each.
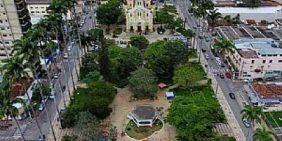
(203, 50)
(246, 123)
(221, 76)
(232, 95)
(228, 75)
(65, 55)
(41, 106)
(207, 56)
(246, 104)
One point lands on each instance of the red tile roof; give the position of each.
(268, 90)
(19, 87)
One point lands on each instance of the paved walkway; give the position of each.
(122, 106)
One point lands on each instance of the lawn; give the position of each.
(274, 116)
(142, 132)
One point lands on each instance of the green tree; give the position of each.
(252, 3)
(143, 83)
(187, 75)
(162, 56)
(190, 114)
(224, 45)
(213, 17)
(109, 13)
(87, 127)
(263, 134)
(139, 41)
(89, 64)
(123, 62)
(92, 77)
(44, 88)
(252, 113)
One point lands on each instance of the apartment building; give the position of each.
(39, 8)
(14, 22)
(256, 58)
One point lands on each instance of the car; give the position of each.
(246, 123)
(246, 104)
(63, 88)
(66, 56)
(203, 50)
(232, 95)
(56, 76)
(207, 56)
(221, 76)
(41, 107)
(69, 48)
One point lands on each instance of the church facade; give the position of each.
(139, 16)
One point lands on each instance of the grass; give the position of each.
(274, 118)
(142, 132)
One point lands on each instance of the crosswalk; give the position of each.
(223, 129)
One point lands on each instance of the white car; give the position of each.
(69, 48)
(207, 56)
(66, 56)
(41, 107)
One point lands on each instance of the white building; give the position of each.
(268, 13)
(257, 58)
(139, 16)
(37, 9)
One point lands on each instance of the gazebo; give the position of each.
(143, 115)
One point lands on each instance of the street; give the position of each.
(226, 85)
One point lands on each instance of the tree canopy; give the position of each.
(143, 83)
(187, 75)
(109, 13)
(163, 56)
(139, 41)
(123, 62)
(191, 114)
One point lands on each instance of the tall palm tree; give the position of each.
(263, 134)
(224, 45)
(252, 113)
(213, 17)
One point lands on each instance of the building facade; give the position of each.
(256, 58)
(14, 22)
(37, 9)
(139, 16)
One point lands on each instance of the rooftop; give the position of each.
(248, 53)
(143, 112)
(268, 90)
(263, 46)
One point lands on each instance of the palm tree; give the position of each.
(85, 42)
(213, 17)
(252, 113)
(263, 134)
(7, 109)
(224, 45)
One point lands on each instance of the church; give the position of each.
(139, 16)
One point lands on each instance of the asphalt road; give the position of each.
(226, 85)
(31, 131)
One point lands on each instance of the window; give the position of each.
(1, 21)
(263, 55)
(280, 61)
(263, 61)
(269, 55)
(274, 54)
(4, 35)
(32, 12)
(43, 12)
(4, 13)
(6, 43)
(270, 61)
(253, 61)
